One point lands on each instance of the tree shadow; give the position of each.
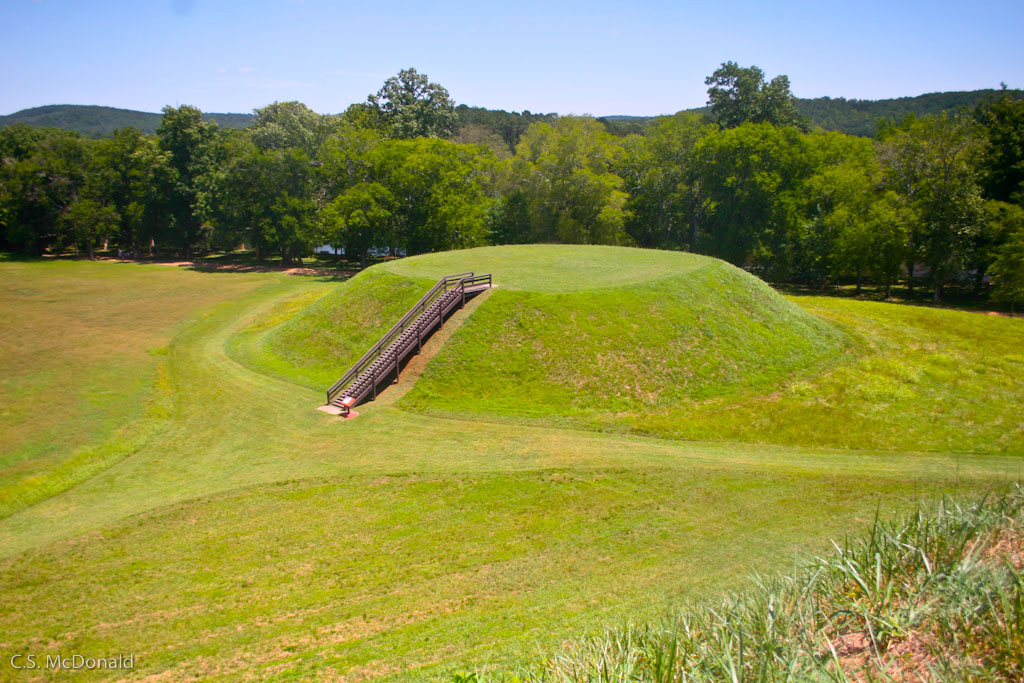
(954, 297)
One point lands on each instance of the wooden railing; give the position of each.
(413, 317)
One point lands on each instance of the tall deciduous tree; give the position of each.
(563, 179)
(410, 106)
(740, 95)
(131, 168)
(86, 221)
(667, 203)
(42, 174)
(1002, 163)
(931, 163)
(1008, 270)
(291, 125)
(360, 218)
(268, 198)
(194, 158)
(439, 190)
(753, 176)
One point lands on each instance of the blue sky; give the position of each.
(593, 57)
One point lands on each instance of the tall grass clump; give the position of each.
(933, 595)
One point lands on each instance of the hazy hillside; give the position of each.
(855, 117)
(97, 121)
(860, 117)
(499, 128)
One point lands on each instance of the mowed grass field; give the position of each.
(243, 534)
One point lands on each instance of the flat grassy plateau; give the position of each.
(611, 432)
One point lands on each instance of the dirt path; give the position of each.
(412, 371)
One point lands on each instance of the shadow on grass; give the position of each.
(954, 297)
(18, 257)
(323, 270)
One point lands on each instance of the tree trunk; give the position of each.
(362, 260)
(910, 276)
(938, 292)
(888, 290)
(858, 282)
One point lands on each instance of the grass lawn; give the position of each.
(81, 346)
(246, 534)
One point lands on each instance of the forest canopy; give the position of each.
(750, 179)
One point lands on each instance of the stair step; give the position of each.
(402, 344)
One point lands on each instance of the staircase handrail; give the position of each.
(442, 286)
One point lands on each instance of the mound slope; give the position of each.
(614, 353)
(315, 344)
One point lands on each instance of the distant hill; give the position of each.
(498, 128)
(95, 121)
(860, 117)
(855, 117)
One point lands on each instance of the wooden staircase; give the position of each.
(383, 362)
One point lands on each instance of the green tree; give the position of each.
(1008, 270)
(194, 157)
(1002, 163)
(440, 191)
(291, 125)
(871, 239)
(840, 193)
(268, 202)
(999, 221)
(563, 176)
(86, 222)
(410, 106)
(41, 175)
(753, 177)
(667, 204)
(931, 163)
(361, 217)
(346, 157)
(740, 95)
(129, 169)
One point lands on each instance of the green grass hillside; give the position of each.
(692, 329)
(315, 343)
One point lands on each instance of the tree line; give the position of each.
(750, 181)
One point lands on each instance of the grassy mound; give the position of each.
(695, 329)
(673, 345)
